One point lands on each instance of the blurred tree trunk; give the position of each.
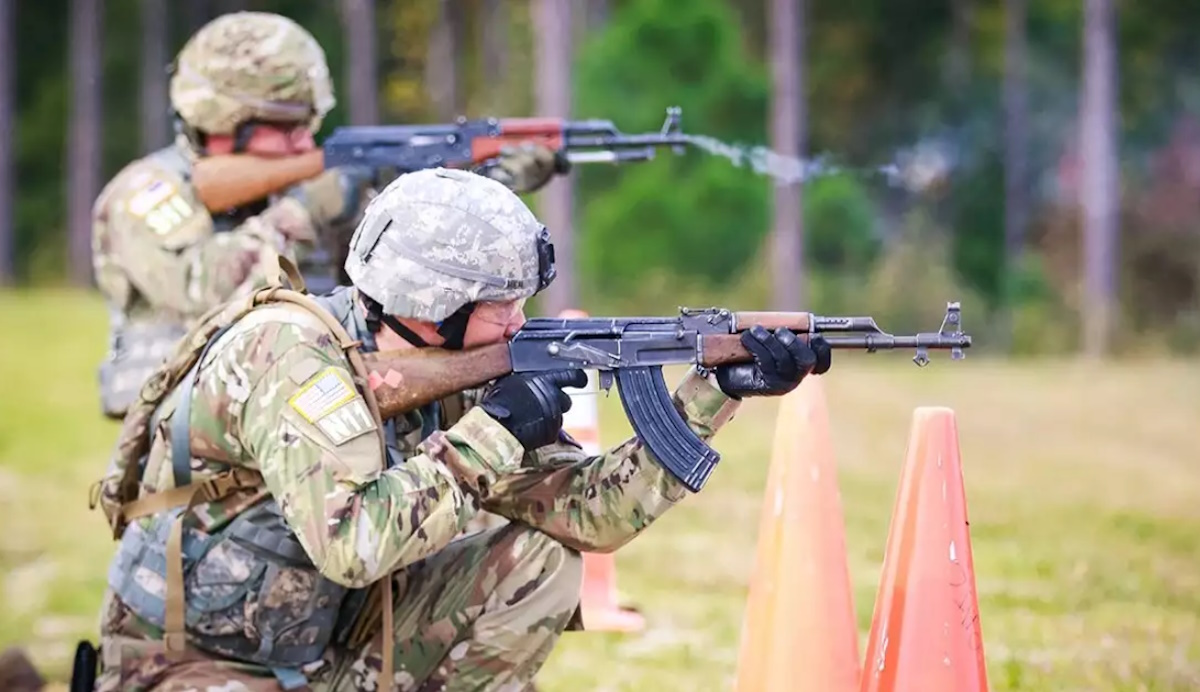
(83, 139)
(785, 30)
(196, 14)
(155, 121)
(552, 31)
(230, 6)
(1016, 131)
(8, 140)
(958, 62)
(1100, 189)
(441, 67)
(495, 54)
(362, 81)
(1016, 148)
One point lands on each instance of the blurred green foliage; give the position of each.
(697, 214)
(691, 228)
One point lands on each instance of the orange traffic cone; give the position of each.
(599, 601)
(925, 633)
(799, 632)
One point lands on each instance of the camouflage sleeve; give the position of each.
(599, 503)
(313, 439)
(161, 240)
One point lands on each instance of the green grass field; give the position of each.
(1083, 489)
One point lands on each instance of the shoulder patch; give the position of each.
(322, 394)
(331, 403)
(161, 205)
(347, 422)
(304, 370)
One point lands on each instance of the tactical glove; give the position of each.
(335, 196)
(527, 167)
(531, 407)
(781, 361)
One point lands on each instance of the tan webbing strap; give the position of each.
(142, 415)
(208, 490)
(388, 632)
(174, 631)
(174, 637)
(212, 489)
(275, 264)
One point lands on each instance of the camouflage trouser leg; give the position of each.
(482, 614)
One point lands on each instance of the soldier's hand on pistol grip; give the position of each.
(528, 167)
(781, 361)
(531, 406)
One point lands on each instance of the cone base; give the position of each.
(613, 620)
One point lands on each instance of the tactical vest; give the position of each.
(231, 592)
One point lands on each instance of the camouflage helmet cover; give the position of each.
(437, 239)
(251, 65)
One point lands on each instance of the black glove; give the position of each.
(531, 407)
(781, 361)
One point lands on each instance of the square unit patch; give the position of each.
(322, 394)
(330, 402)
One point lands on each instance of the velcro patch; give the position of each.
(322, 394)
(331, 403)
(150, 197)
(161, 205)
(304, 370)
(347, 422)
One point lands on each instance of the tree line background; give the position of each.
(1059, 142)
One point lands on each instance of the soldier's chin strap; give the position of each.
(453, 329)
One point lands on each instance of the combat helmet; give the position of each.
(250, 66)
(437, 241)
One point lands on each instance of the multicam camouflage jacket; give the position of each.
(272, 442)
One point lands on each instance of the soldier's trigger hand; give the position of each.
(531, 406)
(781, 361)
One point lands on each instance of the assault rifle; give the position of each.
(633, 350)
(228, 181)
(474, 142)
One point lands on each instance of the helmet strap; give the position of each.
(241, 136)
(453, 329)
(194, 137)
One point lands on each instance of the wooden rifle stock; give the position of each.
(231, 180)
(407, 380)
(404, 381)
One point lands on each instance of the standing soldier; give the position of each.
(271, 538)
(251, 83)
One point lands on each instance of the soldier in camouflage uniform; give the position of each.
(271, 538)
(247, 82)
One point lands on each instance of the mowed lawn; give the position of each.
(1083, 485)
